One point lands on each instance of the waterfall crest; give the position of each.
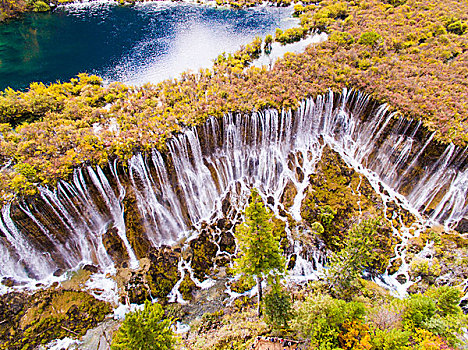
(158, 197)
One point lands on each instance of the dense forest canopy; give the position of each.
(411, 54)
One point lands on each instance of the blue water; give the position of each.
(133, 44)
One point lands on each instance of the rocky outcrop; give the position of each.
(30, 320)
(163, 274)
(203, 254)
(437, 257)
(338, 197)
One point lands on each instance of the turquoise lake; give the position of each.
(134, 44)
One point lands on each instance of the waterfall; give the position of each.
(173, 192)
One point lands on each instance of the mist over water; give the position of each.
(133, 44)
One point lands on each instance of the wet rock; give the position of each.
(401, 279)
(115, 246)
(222, 260)
(299, 174)
(90, 268)
(58, 272)
(163, 273)
(9, 282)
(188, 288)
(204, 252)
(226, 242)
(226, 204)
(134, 225)
(46, 315)
(137, 291)
(419, 287)
(288, 195)
(462, 226)
(394, 266)
(292, 262)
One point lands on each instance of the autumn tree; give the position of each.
(259, 253)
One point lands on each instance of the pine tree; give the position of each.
(259, 253)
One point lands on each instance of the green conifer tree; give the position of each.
(259, 253)
(145, 330)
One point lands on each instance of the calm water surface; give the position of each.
(133, 44)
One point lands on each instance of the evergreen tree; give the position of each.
(278, 307)
(145, 330)
(359, 251)
(259, 253)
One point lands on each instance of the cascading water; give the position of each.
(174, 191)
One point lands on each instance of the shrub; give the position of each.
(418, 309)
(457, 27)
(326, 215)
(360, 251)
(290, 35)
(447, 299)
(391, 339)
(321, 317)
(145, 329)
(27, 170)
(369, 38)
(341, 38)
(355, 336)
(41, 6)
(395, 3)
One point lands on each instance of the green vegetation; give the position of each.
(371, 320)
(358, 253)
(370, 323)
(145, 329)
(277, 304)
(259, 253)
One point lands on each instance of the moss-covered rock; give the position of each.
(203, 254)
(437, 257)
(136, 289)
(243, 284)
(337, 195)
(163, 272)
(226, 242)
(134, 225)
(288, 195)
(46, 315)
(187, 288)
